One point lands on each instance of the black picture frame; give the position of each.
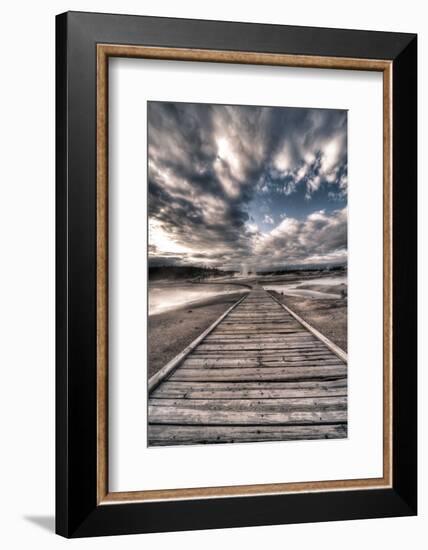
(77, 512)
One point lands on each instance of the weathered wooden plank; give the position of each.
(244, 359)
(232, 328)
(260, 333)
(291, 358)
(295, 336)
(255, 385)
(290, 344)
(262, 354)
(280, 339)
(256, 323)
(304, 344)
(262, 306)
(257, 315)
(263, 365)
(252, 309)
(182, 435)
(263, 373)
(257, 335)
(292, 351)
(311, 404)
(255, 310)
(249, 346)
(248, 343)
(258, 320)
(255, 339)
(242, 334)
(276, 350)
(250, 312)
(274, 330)
(185, 416)
(165, 391)
(242, 352)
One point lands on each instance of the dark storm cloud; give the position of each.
(223, 180)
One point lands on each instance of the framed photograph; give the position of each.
(236, 274)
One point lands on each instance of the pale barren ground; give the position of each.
(330, 317)
(172, 331)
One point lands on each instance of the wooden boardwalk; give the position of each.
(259, 375)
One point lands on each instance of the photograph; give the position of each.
(247, 273)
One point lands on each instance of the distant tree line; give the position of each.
(185, 272)
(296, 268)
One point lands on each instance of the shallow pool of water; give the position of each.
(169, 296)
(294, 289)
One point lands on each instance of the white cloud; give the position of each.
(252, 227)
(320, 238)
(331, 154)
(282, 160)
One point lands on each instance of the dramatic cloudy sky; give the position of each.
(230, 186)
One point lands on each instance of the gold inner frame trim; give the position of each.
(104, 52)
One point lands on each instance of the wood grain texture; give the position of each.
(257, 368)
(168, 435)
